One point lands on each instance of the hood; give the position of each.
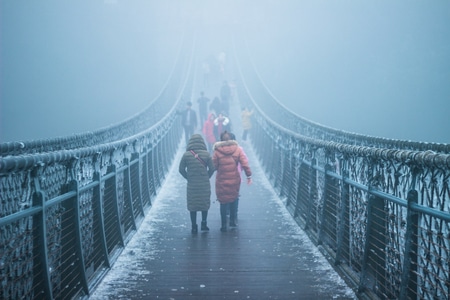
(196, 142)
(226, 147)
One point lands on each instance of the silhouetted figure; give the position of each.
(203, 107)
(188, 121)
(216, 106)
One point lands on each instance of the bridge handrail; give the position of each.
(28, 161)
(426, 158)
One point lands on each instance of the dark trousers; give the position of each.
(203, 114)
(232, 207)
(188, 132)
(194, 217)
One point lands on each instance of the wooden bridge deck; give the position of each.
(265, 257)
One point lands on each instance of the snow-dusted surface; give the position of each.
(131, 273)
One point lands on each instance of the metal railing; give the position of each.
(69, 206)
(378, 208)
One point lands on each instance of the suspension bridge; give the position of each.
(330, 215)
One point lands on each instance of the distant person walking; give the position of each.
(203, 107)
(221, 124)
(208, 131)
(197, 167)
(227, 155)
(188, 121)
(216, 106)
(246, 122)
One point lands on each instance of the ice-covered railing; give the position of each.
(69, 206)
(378, 208)
(288, 119)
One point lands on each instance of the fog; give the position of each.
(75, 66)
(380, 68)
(374, 67)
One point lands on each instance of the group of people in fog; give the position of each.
(220, 153)
(213, 121)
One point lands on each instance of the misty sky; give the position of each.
(74, 66)
(374, 67)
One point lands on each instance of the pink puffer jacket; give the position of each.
(227, 155)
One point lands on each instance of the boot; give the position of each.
(194, 228)
(204, 227)
(224, 226)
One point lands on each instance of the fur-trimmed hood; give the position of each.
(226, 147)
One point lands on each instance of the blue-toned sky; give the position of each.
(374, 67)
(74, 66)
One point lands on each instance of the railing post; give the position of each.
(293, 188)
(139, 177)
(99, 217)
(73, 186)
(325, 203)
(375, 243)
(287, 171)
(299, 188)
(155, 167)
(115, 232)
(273, 166)
(151, 172)
(148, 189)
(369, 221)
(343, 216)
(409, 273)
(119, 228)
(312, 191)
(161, 161)
(43, 290)
(128, 195)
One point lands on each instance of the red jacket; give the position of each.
(227, 155)
(208, 130)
